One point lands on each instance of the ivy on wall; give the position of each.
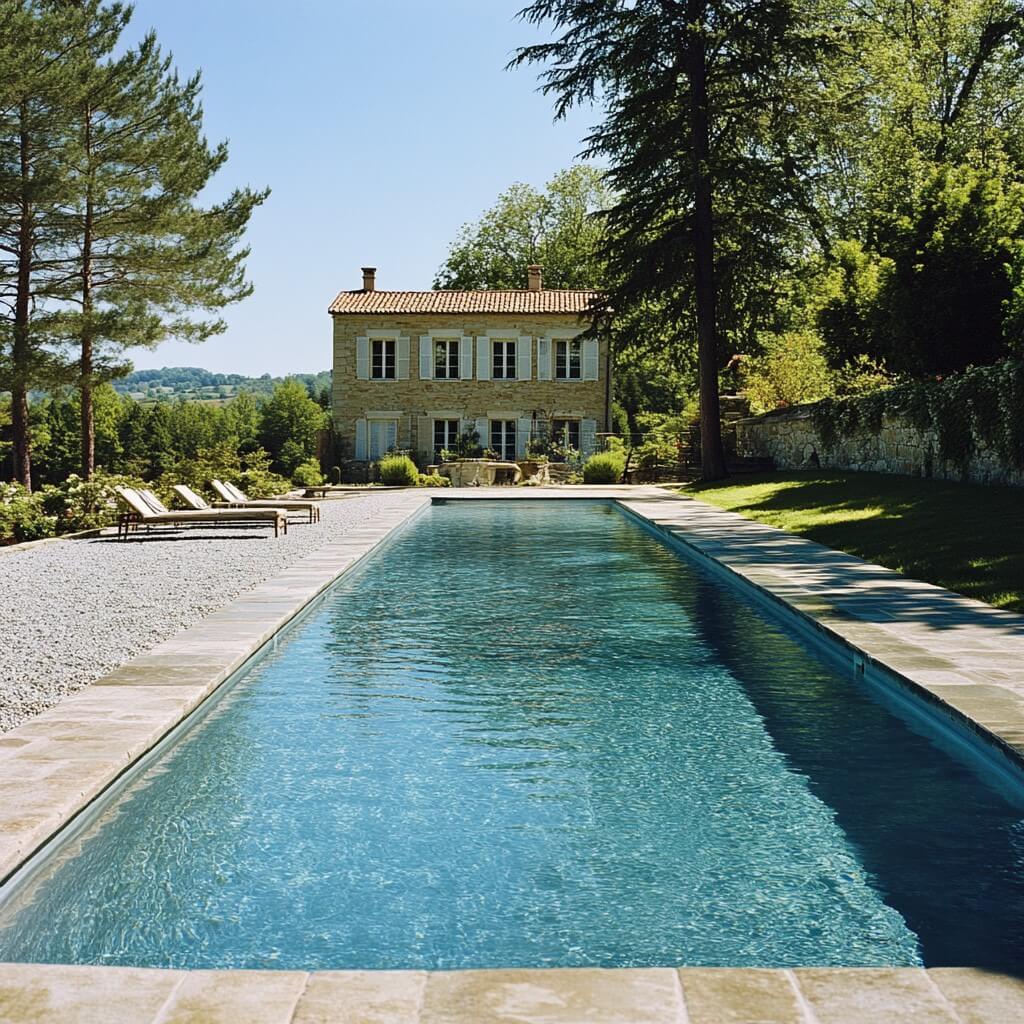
(983, 406)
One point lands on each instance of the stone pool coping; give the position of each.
(958, 654)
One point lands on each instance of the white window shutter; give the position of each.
(590, 359)
(543, 359)
(425, 437)
(588, 437)
(483, 358)
(402, 359)
(363, 358)
(426, 357)
(390, 434)
(361, 440)
(524, 368)
(466, 358)
(524, 426)
(483, 429)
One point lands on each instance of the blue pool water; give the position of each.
(534, 736)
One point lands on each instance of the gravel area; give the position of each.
(73, 611)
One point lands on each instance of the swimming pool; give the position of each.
(534, 736)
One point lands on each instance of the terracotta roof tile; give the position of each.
(551, 300)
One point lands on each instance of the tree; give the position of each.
(697, 129)
(290, 426)
(555, 228)
(146, 256)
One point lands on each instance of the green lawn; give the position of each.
(966, 538)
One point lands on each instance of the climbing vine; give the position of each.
(982, 406)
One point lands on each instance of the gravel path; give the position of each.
(74, 611)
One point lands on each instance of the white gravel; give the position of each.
(71, 612)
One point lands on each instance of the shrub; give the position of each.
(398, 470)
(604, 468)
(433, 480)
(790, 370)
(307, 474)
(78, 504)
(22, 517)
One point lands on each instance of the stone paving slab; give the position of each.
(60, 994)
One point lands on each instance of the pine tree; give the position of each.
(148, 260)
(698, 98)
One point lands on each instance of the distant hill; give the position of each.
(193, 383)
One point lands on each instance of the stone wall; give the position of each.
(791, 440)
(419, 401)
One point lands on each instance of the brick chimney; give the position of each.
(533, 278)
(369, 279)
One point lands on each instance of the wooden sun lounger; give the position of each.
(232, 497)
(146, 509)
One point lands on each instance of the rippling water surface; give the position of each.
(531, 735)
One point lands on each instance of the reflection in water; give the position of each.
(533, 736)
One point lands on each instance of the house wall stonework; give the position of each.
(792, 441)
(419, 401)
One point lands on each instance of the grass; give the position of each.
(966, 538)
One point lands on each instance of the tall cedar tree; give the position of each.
(696, 98)
(146, 257)
(37, 47)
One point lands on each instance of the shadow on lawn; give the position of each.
(962, 537)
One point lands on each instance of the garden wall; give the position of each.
(793, 439)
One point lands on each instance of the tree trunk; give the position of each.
(21, 350)
(712, 453)
(86, 361)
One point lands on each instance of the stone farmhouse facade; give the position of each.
(412, 370)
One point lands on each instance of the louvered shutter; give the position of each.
(588, 437)
(363, 358)
(402, 359)
(361, 440)
(483, 358)
(524, 367)
(466, 358)
(590, 359)
(524, 426)
(543, 359)
(483, 429)
(426, 357)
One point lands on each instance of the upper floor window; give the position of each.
(446, 358)
(382, 359)
(503, 362)
(568, 360)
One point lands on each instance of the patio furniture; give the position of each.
(234, 498)
(146, 509)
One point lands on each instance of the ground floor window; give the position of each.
(383, 436)
(503, 439)
(566, 433)
(446, 433)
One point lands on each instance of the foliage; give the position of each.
(662, 439)
(22, 517)
(432, 480)
(984, 404)
(555, 228)
(308, 474)
(951, 534)
(290, 425)
(398, 471)
(79, 504)
(790, 369)
(604, 468)
(466, 446)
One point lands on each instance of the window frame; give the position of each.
(446, 423)
(565, 361)
(451, 363)
(383, 342)
(507, 430)
(381, 422)
(509, 358)
(568, 425)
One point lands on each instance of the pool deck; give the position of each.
(963, 658)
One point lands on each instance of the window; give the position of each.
(503, 360)
(446, 433)
(446, 358)
(566, 433)
(383, 436)
(503, 438)
(382, 360)
(568, 360)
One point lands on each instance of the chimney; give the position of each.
(533, 281)
(369, 279)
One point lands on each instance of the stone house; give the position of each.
(412, 370)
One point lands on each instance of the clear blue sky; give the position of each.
(380, 125)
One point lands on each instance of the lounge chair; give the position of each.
(232, 497)
(147, 509)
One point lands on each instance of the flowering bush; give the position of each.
(22, 516)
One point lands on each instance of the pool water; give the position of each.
(532, 735)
